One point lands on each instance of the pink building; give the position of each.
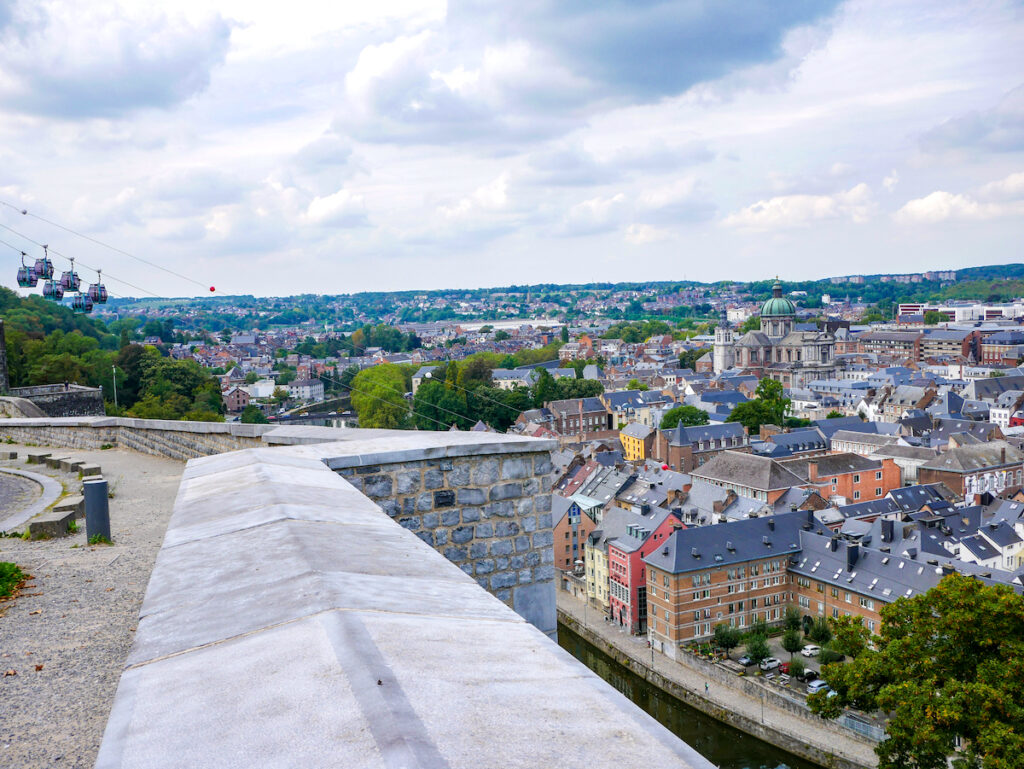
(643, 533)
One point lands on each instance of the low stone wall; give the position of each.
(488, 514)
(166, 438)
(55, 401)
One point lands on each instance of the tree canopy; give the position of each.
(949, 665)
(769, 407)
(687, 416)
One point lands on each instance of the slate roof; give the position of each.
(637, 430)
(911, 498)
(730, 543)
(800, 440)
(829, 427)
(967, 459)
(749, 470)
(614, 527)
(871, 439)
(979, 548)
(831, 464)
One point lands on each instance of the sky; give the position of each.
(303, 147)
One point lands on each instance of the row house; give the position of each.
(579, 416)
(1006, 347)
(976, 468)
(627, 572)
(865, 444)
(685, 448)
(637, 441)
(846, 476)
(900, 344)
(573, 526)
(949, 341)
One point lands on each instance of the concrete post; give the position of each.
(5, 385)
(97, 512)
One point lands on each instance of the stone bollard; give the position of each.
(97, 511)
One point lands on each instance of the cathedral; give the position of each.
(778, 351)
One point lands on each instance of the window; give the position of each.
(665, 578)
(878, 475)
(567, 535)
(856, 478)
(867, 603)
(878, 491)
(856, 495)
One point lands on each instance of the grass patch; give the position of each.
(99, 539)
(72, 526)
(11, 577)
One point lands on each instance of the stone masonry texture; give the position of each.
(488, 514)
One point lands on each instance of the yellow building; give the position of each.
(637, 441)
(597, 570)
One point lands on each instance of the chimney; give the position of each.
(852, 553)
(888, 530)
(812, 471)
(771, 524)
(912, 553)
(694, 553)
(947, 569)
(810, 516)
(833, 544)
(1002, 455)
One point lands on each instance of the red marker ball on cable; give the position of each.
(213, 288)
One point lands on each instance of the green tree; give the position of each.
(820, 632)
(689, 358)
(636, 384)
(949, 666)
(797, 667)
(545, 389)
(378, 397)
(791, 620)
(565, 333)
(850, 636)
(757, 648)
(727, 637)
(687, 416)
(501, 335)
(753, 323)
(933, 317)
(833, 414)
(769, 407)
(792, 641)
(252, 415)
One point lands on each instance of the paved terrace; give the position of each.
(290, 621)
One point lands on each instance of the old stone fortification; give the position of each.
(56, 401)
(488, 514)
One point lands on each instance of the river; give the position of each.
(722, 745)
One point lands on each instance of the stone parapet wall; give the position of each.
(488, 514)
(55, 401)
(289, 621)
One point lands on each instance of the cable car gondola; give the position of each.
(52, 289)
(81, 303)
(43, 268)
(69, 279)
(26, 275)
(97, 291)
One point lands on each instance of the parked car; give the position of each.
(745, 660)
(769, 664)
(816, 686)
(808, 675)
(784, 667)
(811, 650)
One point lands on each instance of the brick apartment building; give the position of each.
(900, 344)
(685, 448)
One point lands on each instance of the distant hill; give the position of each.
(991, 272)
(34, 315)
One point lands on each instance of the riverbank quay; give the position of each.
(741, 702)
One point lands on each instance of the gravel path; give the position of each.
(17, 492)
(68, 634)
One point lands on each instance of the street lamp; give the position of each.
(113, 375)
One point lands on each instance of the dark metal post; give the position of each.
(97, 511)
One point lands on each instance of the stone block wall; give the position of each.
(489, 514)
(55, 401)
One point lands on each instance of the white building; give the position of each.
(306, 389)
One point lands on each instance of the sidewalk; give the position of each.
(721, 695)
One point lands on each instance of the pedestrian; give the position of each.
(705, 688)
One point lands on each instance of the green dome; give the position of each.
(778, 304)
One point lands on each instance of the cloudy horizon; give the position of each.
(416, 144)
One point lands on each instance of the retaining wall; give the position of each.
(794, 744)
(55, 401)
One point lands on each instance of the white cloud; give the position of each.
(855, 205)
(490, 197)
(596, 215)
(890, 181)
(344, 208)
(1010, 188)
(941, 206)
(640, 234)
